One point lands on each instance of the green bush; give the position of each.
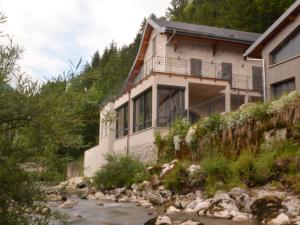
(177, 179)
(245, 167)
(220, 174)
(119, 171)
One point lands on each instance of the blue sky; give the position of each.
(52, 32)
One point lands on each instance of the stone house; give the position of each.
(181, 71)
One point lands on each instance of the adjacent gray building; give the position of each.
(279, 48)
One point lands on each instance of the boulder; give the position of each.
(223, 214)
(266, 207)
(68, 204)
(82, 193)
(54, 197)
(151, 221)
(202, 205)
(99, 195)
(163, 220)
(240, 217)
(172, 210)
(156, 199)
(237, 192)
(192, 222)
(193, 169)
(292, 204)
(81, 184)
(281, 219)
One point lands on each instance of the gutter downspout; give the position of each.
(264, 75)
(129, 122)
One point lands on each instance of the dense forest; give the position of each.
(52, 123)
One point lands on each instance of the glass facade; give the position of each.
(142, 117)
(170, 105)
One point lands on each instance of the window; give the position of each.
(170, 105)
(226, 71)
(283, 87)
(196, 67)
(154, 46)
(257, 81)
(289, 48)
(122, 121)
(142, 117)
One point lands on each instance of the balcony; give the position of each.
(198, 68)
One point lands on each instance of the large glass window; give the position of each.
(283, 87)
(142, 117)
(122, 121)
(170, 105)
(289, 48)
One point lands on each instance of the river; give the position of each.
(87, 212)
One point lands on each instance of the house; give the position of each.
(181, 71)
(279, 49)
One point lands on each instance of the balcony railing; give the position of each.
(198, 69)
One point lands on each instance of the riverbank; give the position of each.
(247, 206)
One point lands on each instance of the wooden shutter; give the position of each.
(257, 80)
(226, 71)
(196, 67)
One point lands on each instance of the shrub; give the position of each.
(177, 179)
(245, 167)
(263, 166)
(220, 174)
(119, 171)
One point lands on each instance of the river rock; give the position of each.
(68, 204)
(292, 204)
(237, 192)
(223, 214)
(266, 207)
(240, 217)
(172, 210)
(82, 193)
(191, 222)
(53, 197)
(81, 184)
(281, 219)
(163, 220)
(99, 195)
(151, 221)
(193, 169)
(202, 205)
(156, 199)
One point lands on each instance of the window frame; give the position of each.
(145, 123)
(283, 43)
(170, 87)
(125, 125)
(280, 83)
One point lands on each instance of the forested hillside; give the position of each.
(246, 15)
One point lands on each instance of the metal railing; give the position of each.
(202, 70)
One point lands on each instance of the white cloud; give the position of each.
(54, 31)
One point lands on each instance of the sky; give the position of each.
(54, 32)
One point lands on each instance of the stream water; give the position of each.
(87, 212)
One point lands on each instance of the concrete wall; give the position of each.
(284, 70)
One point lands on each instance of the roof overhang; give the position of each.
(255, 50)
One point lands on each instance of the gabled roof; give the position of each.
(206, 31)
(193, 30)
(255, 49)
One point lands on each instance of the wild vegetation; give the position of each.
(44, 126)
